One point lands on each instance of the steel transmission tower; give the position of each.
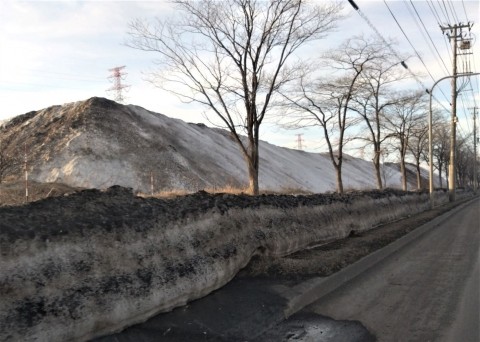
(117, 76)
(300, 141)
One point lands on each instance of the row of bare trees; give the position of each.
(245, 59)
(465, 157)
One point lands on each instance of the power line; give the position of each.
(413, 47)
(10, 85)
(446, 12)
(428, 34)
(392, 50)
(408, 39)
(434, 11)
(476, 81)
(454, 13)
(465, 11)
(465, 109)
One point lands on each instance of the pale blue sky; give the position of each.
(54, 52)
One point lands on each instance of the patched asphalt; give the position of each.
(246, 309)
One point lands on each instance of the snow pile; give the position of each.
(98, 143)
(80, 266)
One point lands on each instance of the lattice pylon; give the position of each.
(117, 76)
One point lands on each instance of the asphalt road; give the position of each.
(427, 291)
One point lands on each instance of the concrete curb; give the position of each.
(312, 290)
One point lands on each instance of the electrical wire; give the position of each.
(10, 86)
(454, 13)
(465, 11)
(438, 19)
(408, 39)
(465, 109)
(446, 11)
(393, 51)
(413, 47)
(74, 77)
(428, 34)
(476, 81)
(463, 60)
(434, 11)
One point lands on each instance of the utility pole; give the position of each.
(117, 76)
(430, 131)
(455, 35)
(26, 174)
(151, 183)
(475, 176)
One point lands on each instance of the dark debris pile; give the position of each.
(117, 208)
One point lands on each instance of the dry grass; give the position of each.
(228, 189)
(287, 191)
(13, 193)
(172, 193)
(165, 194)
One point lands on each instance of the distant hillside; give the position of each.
(98, 143)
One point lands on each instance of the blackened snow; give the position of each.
(112, 210)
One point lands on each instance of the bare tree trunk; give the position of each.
(440, 166)
(447, 175)
(252, 179)
(403, 171)
(253, 164)
(376, 164)
(338, 170)
(419, 176)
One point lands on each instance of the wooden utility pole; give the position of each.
(454, 34)
(151, 183)
(475, 176)
(26, 174)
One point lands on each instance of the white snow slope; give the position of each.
(98, 143)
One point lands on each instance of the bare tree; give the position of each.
(464, 160)
(373, 99)
(233, 56)
(418, 145)
(401, 122)
(441, 149)
(386, 169)
(326, 103)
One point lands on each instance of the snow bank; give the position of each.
(92, 263)
(98, 143)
